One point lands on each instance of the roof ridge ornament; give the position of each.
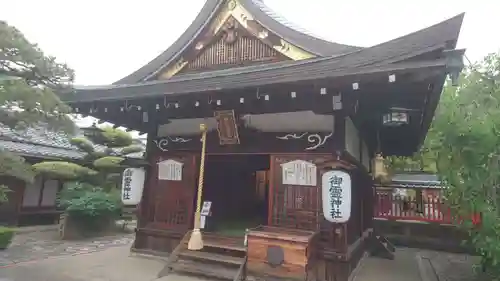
(230, 29)
(231, 4)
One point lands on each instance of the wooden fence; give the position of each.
(425, 208)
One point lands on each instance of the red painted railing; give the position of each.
(431, 208)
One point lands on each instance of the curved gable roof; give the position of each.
(263, 14)
(293, 33)
(390, 54)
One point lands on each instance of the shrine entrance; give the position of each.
(237, 186)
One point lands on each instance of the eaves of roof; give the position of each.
(207, 83)
(389, 56)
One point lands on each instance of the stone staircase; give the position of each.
(222, 258)
(381, 247)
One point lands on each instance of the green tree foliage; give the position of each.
(28, 81)
(63, 170)
(106, 150)
(468, 129)
(463, 146)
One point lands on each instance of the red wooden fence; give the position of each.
(430, 209)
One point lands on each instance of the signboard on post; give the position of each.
(132, 185)
(205, 212)
(336, 196)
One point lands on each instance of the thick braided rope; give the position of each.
(202, 171)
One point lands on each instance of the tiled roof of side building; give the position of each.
(40, 151)
(42, 143)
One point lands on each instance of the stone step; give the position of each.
(201, 269)
(219, 245)
(211, 257)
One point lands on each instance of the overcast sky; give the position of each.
(108, 39)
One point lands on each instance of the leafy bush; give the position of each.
(90, 205)
(6, 236)
(83, 199)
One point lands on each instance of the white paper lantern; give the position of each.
(132, 185)
(336, 196)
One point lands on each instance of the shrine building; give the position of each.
(293, 123)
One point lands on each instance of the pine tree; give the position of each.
(29, 80)
(106, 150)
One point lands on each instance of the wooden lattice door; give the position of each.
(295, 191)
(174, 192)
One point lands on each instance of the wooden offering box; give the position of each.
(279, 252)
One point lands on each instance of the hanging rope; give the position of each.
(196, 240)
(202, 170)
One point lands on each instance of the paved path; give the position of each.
(403, 268)
(111, 264)
(41, 257)
(440, 266)
(42, 245)
(451, 267)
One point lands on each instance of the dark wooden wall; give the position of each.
(13, 212)
(339, 247)
(9, 211)
(166, 211)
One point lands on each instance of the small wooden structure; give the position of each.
(282, 108)
(288, 252)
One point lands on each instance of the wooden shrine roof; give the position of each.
(407, 53)
(244, 77)
(262, 14)
(418, 180)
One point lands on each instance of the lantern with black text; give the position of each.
(132, 185)
(336, 195)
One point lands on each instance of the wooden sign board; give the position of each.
(170, 170)
(227, 127)
(299, 172)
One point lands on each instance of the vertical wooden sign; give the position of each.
(227, 127)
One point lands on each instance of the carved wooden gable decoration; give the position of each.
(233, 38)
(233, 47)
